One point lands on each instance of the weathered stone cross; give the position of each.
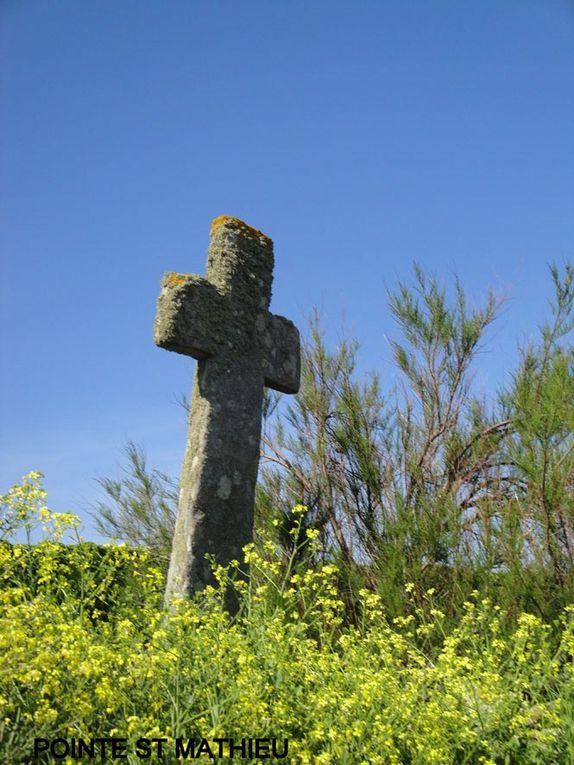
(223, 321)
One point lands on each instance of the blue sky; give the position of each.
(360, 136)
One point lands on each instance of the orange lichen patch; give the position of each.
(221, 219)
(176, 280)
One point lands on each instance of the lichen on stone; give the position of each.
(237, 223)
(176, 280)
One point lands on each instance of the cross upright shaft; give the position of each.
(223, 321)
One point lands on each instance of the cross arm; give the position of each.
(282, 354)
(186, 318)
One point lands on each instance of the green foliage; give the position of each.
(541, 450)
(384, 691)
(141, 508)
(441, 342)
(425, 482)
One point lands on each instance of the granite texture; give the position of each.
(223, 321)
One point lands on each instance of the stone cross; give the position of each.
(224, 322)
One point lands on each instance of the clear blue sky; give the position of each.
(359, 135)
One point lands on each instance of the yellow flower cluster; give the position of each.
(87, 651)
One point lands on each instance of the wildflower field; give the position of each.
(88, 651)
